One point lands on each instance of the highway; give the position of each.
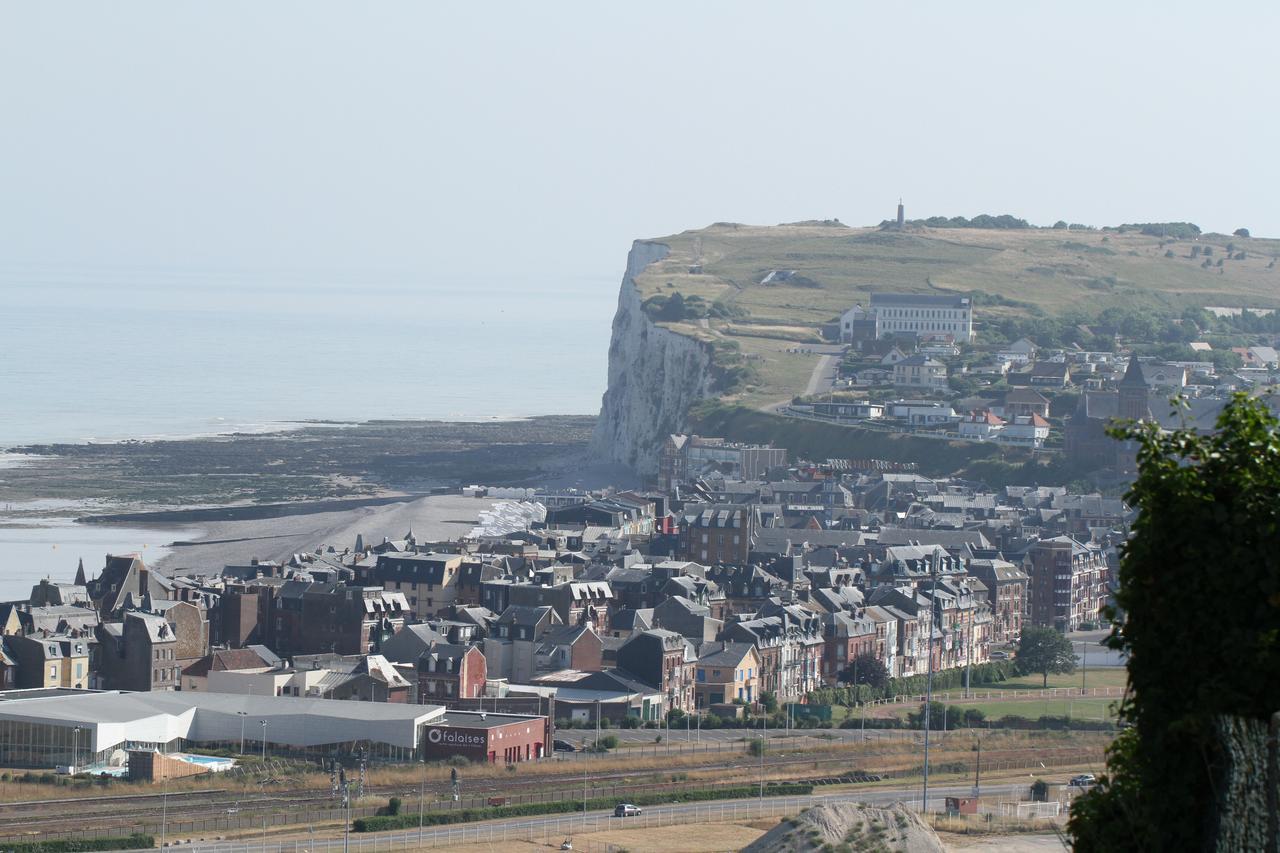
(566, 824)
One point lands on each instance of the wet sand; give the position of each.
(438, 517)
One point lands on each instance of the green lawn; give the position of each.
(1091, 708)
(1111, 676)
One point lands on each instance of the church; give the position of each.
(1086, 442)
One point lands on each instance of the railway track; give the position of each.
(124, 813)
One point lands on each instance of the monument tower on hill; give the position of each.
(902, 214)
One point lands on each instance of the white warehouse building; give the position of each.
(46, 728)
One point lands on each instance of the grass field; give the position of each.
(1012, 272)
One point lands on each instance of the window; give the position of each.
(53, 671)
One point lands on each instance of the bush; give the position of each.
(407, 821)
(458, 761)
(756, 746)
(393, 806)
(631, 721)
(604, 722)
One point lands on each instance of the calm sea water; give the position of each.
(110, 355)
(95, 356)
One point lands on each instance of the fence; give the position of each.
(317, 815)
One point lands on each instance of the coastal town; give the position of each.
(743, 586)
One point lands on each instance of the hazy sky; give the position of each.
(546, 136)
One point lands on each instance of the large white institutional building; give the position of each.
(912, 314)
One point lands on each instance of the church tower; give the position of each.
(902, 214)
(1131, 403)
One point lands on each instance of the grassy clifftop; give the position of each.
(1019, 272)
(1037, 269)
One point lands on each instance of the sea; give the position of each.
(108, 355)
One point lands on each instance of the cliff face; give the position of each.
(655, 375)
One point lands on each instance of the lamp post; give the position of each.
(164, 808)
(346, 827)
(763, 739)
(242, 715)
(928, 701)
(75, 748)
(422, 790)
(264, 742)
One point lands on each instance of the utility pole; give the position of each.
(164, 808)
(928, 700)
(763, 740)
(422, 791)
(1084, 666)
(346, 829)
(977, 772)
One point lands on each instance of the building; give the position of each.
(486, 737)
(686, 457)
(41, 729)
(428, 581)
(727, 673)
(449, 671)
(44, 661)
(138, 653)
(920, 371)
(1007, 595)
(1085, 440)
(1068, 583)
(920, 314)
(664, 660)
(713, 533)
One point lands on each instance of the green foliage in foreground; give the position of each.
(1199, 594)
(407, 821)
(137, 841)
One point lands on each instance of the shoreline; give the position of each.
(248, 512)
(261, 428)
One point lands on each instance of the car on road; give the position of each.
(563, 746)
(999, 655)
(626, 810)
(1084, 780)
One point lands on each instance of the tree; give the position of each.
(673, 309)
(1044, 650)
(866, 669)
(769, 701)
(1240, 232)
(1203, 500)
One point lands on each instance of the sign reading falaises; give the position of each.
(454, 737)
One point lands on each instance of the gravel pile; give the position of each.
(848, 826)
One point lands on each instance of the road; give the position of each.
(591, 821)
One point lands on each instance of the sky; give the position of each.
(542, 138)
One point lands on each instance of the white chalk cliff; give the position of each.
(655, 375)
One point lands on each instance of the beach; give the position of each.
(223, 543)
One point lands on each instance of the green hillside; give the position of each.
(1016, 272)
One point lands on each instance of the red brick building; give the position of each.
(448, 671)
(488, 737)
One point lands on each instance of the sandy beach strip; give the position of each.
(434, 518)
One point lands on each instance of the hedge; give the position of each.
(982, 673)
(137, 841)
(408, 821)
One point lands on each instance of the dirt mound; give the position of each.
(848, 826)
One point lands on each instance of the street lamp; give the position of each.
(242, 715)
(264, 741)
(75, 748)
